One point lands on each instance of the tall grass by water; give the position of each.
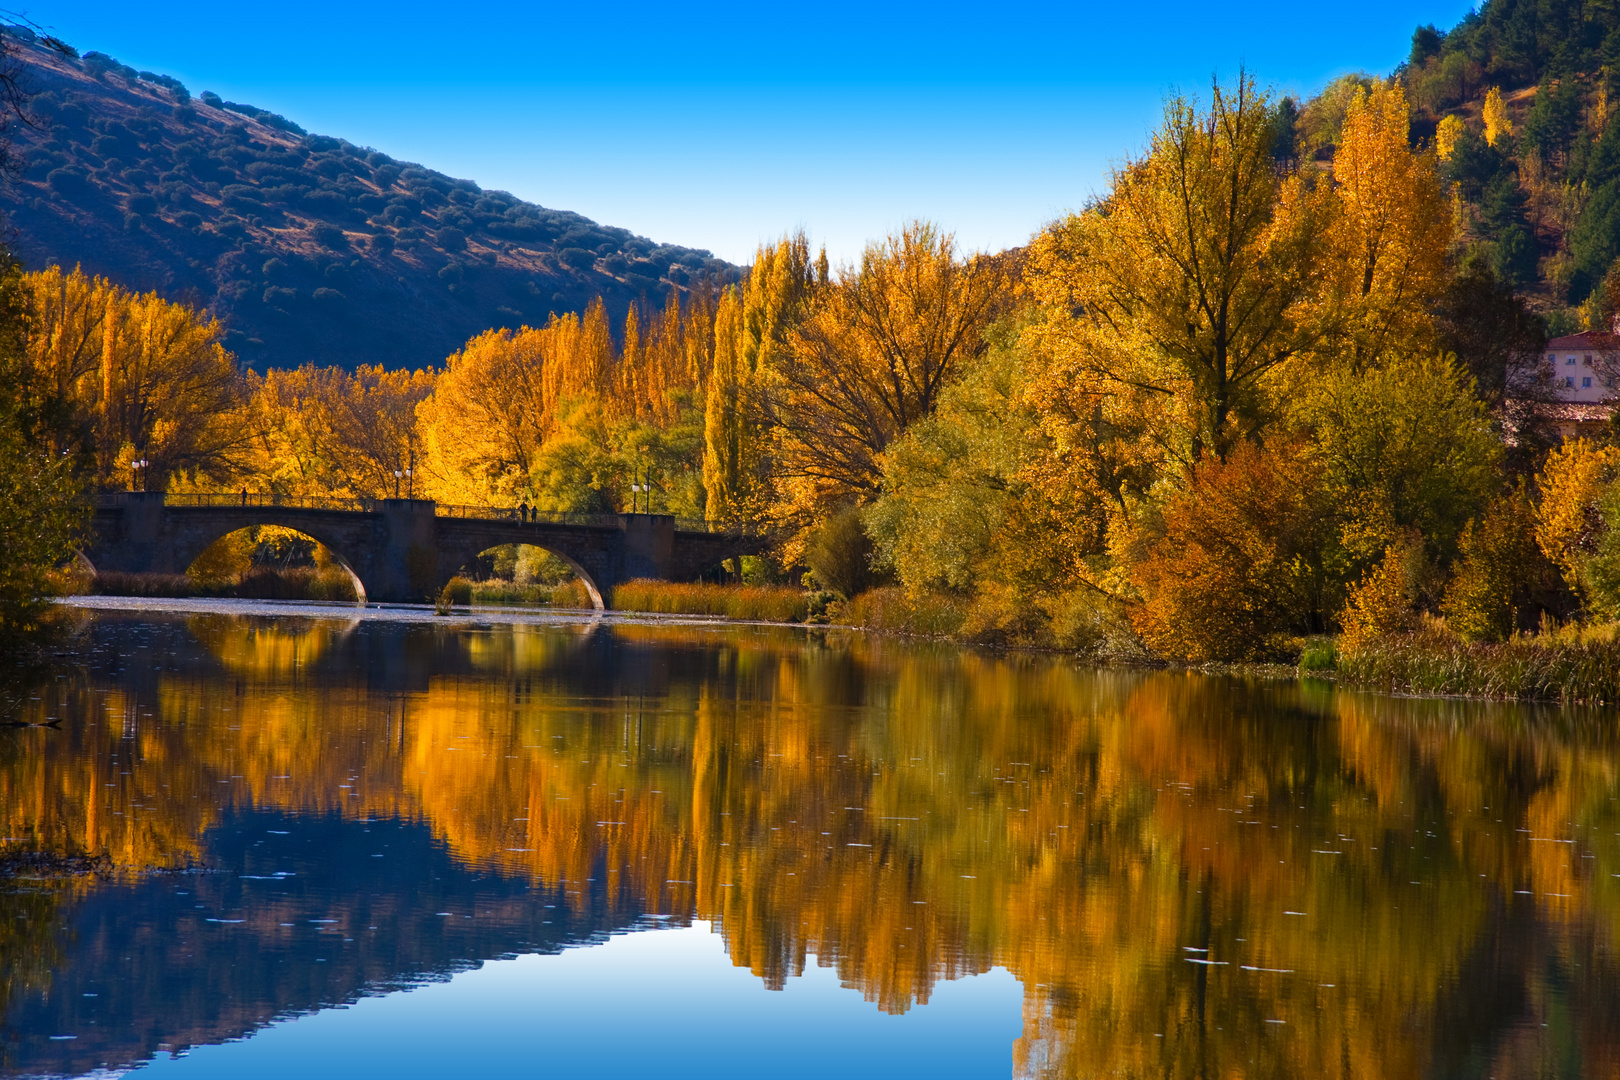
(1573, 665)
(566, 594)
(758, 603)
(261, 583)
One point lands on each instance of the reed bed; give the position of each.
(756, 603)
(465, 592)
(1569, 667)
(300, 583)
(891, 611)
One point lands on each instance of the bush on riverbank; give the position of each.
(760, 603)
(567, 594)
(1573, 665)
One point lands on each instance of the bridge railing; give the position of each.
(512, 513)
(238, 500)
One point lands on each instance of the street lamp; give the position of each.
(397, 475)
(134, 474)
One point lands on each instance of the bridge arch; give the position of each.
(592, 588)
(298, 530)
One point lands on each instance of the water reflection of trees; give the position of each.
(915, 815)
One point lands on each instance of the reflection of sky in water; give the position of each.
(663, 1003)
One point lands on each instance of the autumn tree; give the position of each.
(1187, 286)
(870, 357)
(1495, 115)
(42, 488)
(1238, 558)
(1389, 233)
(326, 431)
(750, 327)
(147, 378)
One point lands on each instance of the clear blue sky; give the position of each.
(717, 125)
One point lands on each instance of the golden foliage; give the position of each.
(875, 348)
(1569, 520)
(1390, 236)
(1186, 289)
(1384, 601)
(1446, 134)
(1495, 115)
(1239, 559)
(148, 378)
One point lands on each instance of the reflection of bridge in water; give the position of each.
(405, 550)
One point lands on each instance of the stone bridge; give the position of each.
(405, 550)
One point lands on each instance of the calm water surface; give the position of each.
(342, 847)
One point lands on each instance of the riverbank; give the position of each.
(409, 613)
(1575, 666)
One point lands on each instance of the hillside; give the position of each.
(307, 247)
(1539, 195)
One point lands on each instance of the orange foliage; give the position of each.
(1239, 558)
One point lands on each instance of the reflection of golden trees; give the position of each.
(1348, 865)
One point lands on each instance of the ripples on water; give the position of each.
(1185, 875)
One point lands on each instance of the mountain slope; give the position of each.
(1537, 182)
(307, 247)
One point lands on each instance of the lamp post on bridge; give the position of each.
(137, 467)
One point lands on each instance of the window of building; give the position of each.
(1586, 361)
(1569, 381)
(1586, 383)
(1569, 361)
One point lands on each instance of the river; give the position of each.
(335, 844)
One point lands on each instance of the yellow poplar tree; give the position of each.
(726, 438)
(1390, 232)
(1496, 119)
(1446, 135)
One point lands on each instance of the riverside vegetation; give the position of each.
(1273, 396)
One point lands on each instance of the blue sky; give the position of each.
(717, 125)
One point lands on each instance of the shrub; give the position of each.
(1239, 561)
(891, 610)
(451, 238)
(1319, 654)
(840, 553)
(69, 182)
(141, 204)
(1383, 602)
(329, 236)
(574, 258)
(1490, 590)
(760, 603)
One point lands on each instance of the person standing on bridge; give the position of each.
(244, 497)
(523, 509)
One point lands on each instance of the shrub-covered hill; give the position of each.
(306, 247)
(1522, 98)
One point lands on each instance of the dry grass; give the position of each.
(1572, 665)
(758, 603)
(567, 594)
(891, 611)
(303, 583)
